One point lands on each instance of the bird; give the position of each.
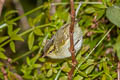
(58, 46)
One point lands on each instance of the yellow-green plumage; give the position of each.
(58, 46)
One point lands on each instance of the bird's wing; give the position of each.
(61, 36)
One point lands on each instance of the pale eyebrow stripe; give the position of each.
(52, 50)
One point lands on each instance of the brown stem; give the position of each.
(18, 76)
(4, 73)
(72, 50)
(23, 24)
(53, 7)
(23, 21)
(118, 70)
(1, 5)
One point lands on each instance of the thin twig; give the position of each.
(76, 12)
(53, 7)
(65, 3)
(58, 74)
(25, 54)
(18, 76)
(19, 17)
(1, 6)
(4, 73)
(74, 62)
(118, 70)
(23, 21)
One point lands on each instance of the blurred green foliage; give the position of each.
(95, 21)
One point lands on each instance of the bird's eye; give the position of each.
(52, 50)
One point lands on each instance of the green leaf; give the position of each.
(114, 74)
(90, 10)
(82, 73)
(54, 64)
(10, 29)
(12, 46)
(96, 75)
(89, 69)
(85, 65)
(41, 59)
(1, 64)
(63, 78)
(30, 20)
(35, 47)
(100, 13)
(11, 76)
(113, 14)
(107, 2)
(38, 18)
(30, 40)
(16, 30)
(49, 73)
(100, 66)
(28, 61)
(99, 6)
(2, 49)
(117, 47)
(48, 65)
(37, 65)
(38, 32)
(55, 70)
(66, 67)
(17, 37)
(63, 16)
(78, 77)
(2, 56)
(10, 13)
(106, 68)
(3, 38)
(104, 77)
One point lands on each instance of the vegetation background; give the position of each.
(25, 25)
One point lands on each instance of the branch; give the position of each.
(65, 3)
(4, 73)
(23, 21)
(71, 31)
(118, 70)
(1, 5)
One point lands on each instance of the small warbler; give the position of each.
(58, 46)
